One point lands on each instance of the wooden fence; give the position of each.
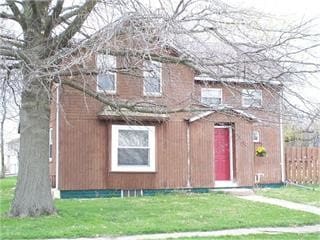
(303, 164)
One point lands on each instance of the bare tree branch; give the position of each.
(16, 12)
(62, 39)
(8, 16)
(16, 54)
(52, 18)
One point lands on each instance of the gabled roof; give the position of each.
(224, 109)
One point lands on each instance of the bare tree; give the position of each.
(3, 119)
(38, 43)
(8, 106)
(55, 41)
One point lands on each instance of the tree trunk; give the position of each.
(3, 170)
(3, 119)
(33, 191)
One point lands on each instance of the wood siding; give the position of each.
(171, 161)
(86, 163)
(270, 165)
(201, 144)
(242, 144)
(83, 161)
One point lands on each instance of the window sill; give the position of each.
(252, 107)
(132, 171)
(152, 94)
(212, 105)
(107, 92)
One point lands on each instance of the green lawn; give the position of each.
(310, 195)
(170, 213)
(287, 236)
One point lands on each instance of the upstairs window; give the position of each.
(106, 78)
(152, 84)
(133, 148)
(251, 98)
(211, 96)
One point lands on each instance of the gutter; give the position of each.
(282, 158)
(57, 135)
(188, 156)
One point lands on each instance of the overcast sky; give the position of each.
(292, 10)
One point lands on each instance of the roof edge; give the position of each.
(248, 116)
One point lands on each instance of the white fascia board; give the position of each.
(201, 115)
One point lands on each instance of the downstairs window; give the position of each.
(133, 148)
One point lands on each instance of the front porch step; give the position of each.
(236, 191)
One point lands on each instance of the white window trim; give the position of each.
(258, 134)
(114, 149)
(115, 80)
(206, 89)
(153, 94)
(245, 95)
(50, 143)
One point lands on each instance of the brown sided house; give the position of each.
(100, 151)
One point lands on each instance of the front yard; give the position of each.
(308, 195)
(170, 213)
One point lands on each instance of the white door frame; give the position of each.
(229, 182)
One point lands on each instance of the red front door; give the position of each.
(222, 154)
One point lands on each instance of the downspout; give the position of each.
(188, 156)
(57, 134)
(282, 158)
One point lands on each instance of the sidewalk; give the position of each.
(230, 232)
(282, 203)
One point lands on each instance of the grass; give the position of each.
(310, 196)
(286, 236)
(170, 213)
(6, 192)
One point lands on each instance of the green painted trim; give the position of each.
(271, 185)
(153, 192)
(200, 190)
(101, 193)
(108, 193)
